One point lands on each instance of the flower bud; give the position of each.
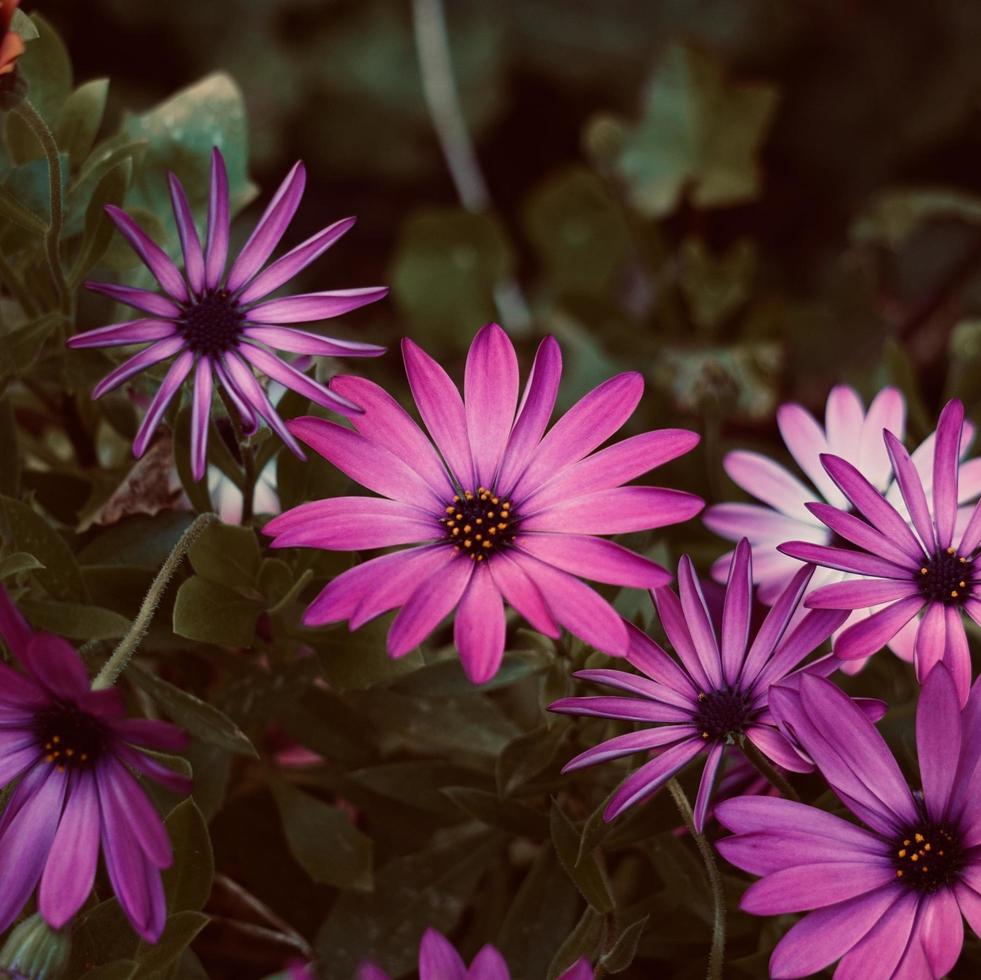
(35, 951)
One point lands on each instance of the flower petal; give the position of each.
(844, 559)
(308, 307)
(438, 960)
(522, 594)
(152, 255)
(595, 559)
(768, 481)
(431, 600)
(862, 535)
(911, 489)
(877, 954)
(442, 411)
(157, 352)
(860, 593)
(945, 460)
(806, 440)
(616, 511)
(304, 342)
(871, 634)
(490, 388)
(736, 613)
(121, 334)
(535, 410)
(706, 784)
(672, 616)
(190, 243)
(700, 627)
(200, 413)
(294, 261)
(478, 629)
(651, 776)
(886, 412)
(216, 249)
(172, 381)
(252, 392)
(632, 742)
(269, 229)
(814, 886)
(140, 299)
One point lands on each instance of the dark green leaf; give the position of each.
(212, 613)
(586, 873)
(178, 934)
(98, 229)
(187, 882)
(515, 818)
(625, 948)
(80, 119)
(27, 531)
(526, 756)
(199, 718)
(75, 620)
(19, 561)
(324, 840)
(227, 554)
(584, 940)
(447, 678)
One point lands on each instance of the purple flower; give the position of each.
(67, 753)
(886, 900)
(498, 509)
(929, 567)
(717, 695)
(214, 325)
(438, 960)
(783, 514)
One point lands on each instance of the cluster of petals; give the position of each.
(717, 691)
(498, 509)
(907, 566)
(886, 898)
(438, 960)
(789, 505)
(218, 326)
(68, 756)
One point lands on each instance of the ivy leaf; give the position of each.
(700, 132)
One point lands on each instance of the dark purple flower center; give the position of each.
(71, 738)
(212, 323)
(928, 857)
(479, 523)
(722, 714)
(947, 578)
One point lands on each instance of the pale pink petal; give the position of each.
(769, 482)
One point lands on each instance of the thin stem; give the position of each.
(247, 455)
(717, 952)
(121, 656)
(44, 136)
(769, 771)
(443, 102)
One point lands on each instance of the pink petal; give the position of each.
(911, 489)
(430, 601)
(814, 886)
(876, 956)
(945, 458)
(157, 352)
(806, 441)
(438, 960)
(616, 511)
(651, 776)
(770, 482)
(632, 742)
(886, 412)
(595, 559)
(304, 342)
(252, 392)
(121, 334)
(172, 381)
(736, 613)
(938, 740)
(760, 524)
(216, 250)
(478, 630)
(700, 627)
(140, 299)
(522, 594)
(200, 412)
(297, 381)
(190, 243)
(153, 256)
(860, 594)
(706, 784)
(675, 625)
(310, 307)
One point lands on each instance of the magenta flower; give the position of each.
(438, 960)
(66, 752)
(886, 900)
(783, 515)
(223, 326)
(928, 567)
(498, 509)
(716, 696)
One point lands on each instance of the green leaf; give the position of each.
(489, 808)
(324, 840)
(526, 756)
(447, 264)
(23, 25)
(117, 970)
(27, 531)
(700, 134)
(446, 678)
(212, 613)
(14, 209)
(896, 213)
(98, 229)
(19, 561)
(30, 186)
(187, 882)
(178, 934)
(75, 620)
(179, 135)
(200, 718)
(357, 661)
(80, 119)
(429, 888)
(624, 949)
(584, 940)
(716, 286)
(585, 872)
(227, 554)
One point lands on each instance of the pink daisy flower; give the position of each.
(497, 508)
(438, 960)
(928, 568)
(214, 325)
(784, 513)
(885, 899)
(68, 754)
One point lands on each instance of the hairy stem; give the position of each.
(717, 952)
(123, 653)
(43, 135)
(769, 771)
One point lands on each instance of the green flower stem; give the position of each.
(249, 474)
(43, 134)
(768, 771)
(717, 953)
(121, 656)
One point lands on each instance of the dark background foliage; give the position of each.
(747, 201)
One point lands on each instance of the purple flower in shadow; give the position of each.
(438, 960)
(928, 567)
(716, 694)
(68, 755)
(885, 898)
(214, 325)
(498, 508)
